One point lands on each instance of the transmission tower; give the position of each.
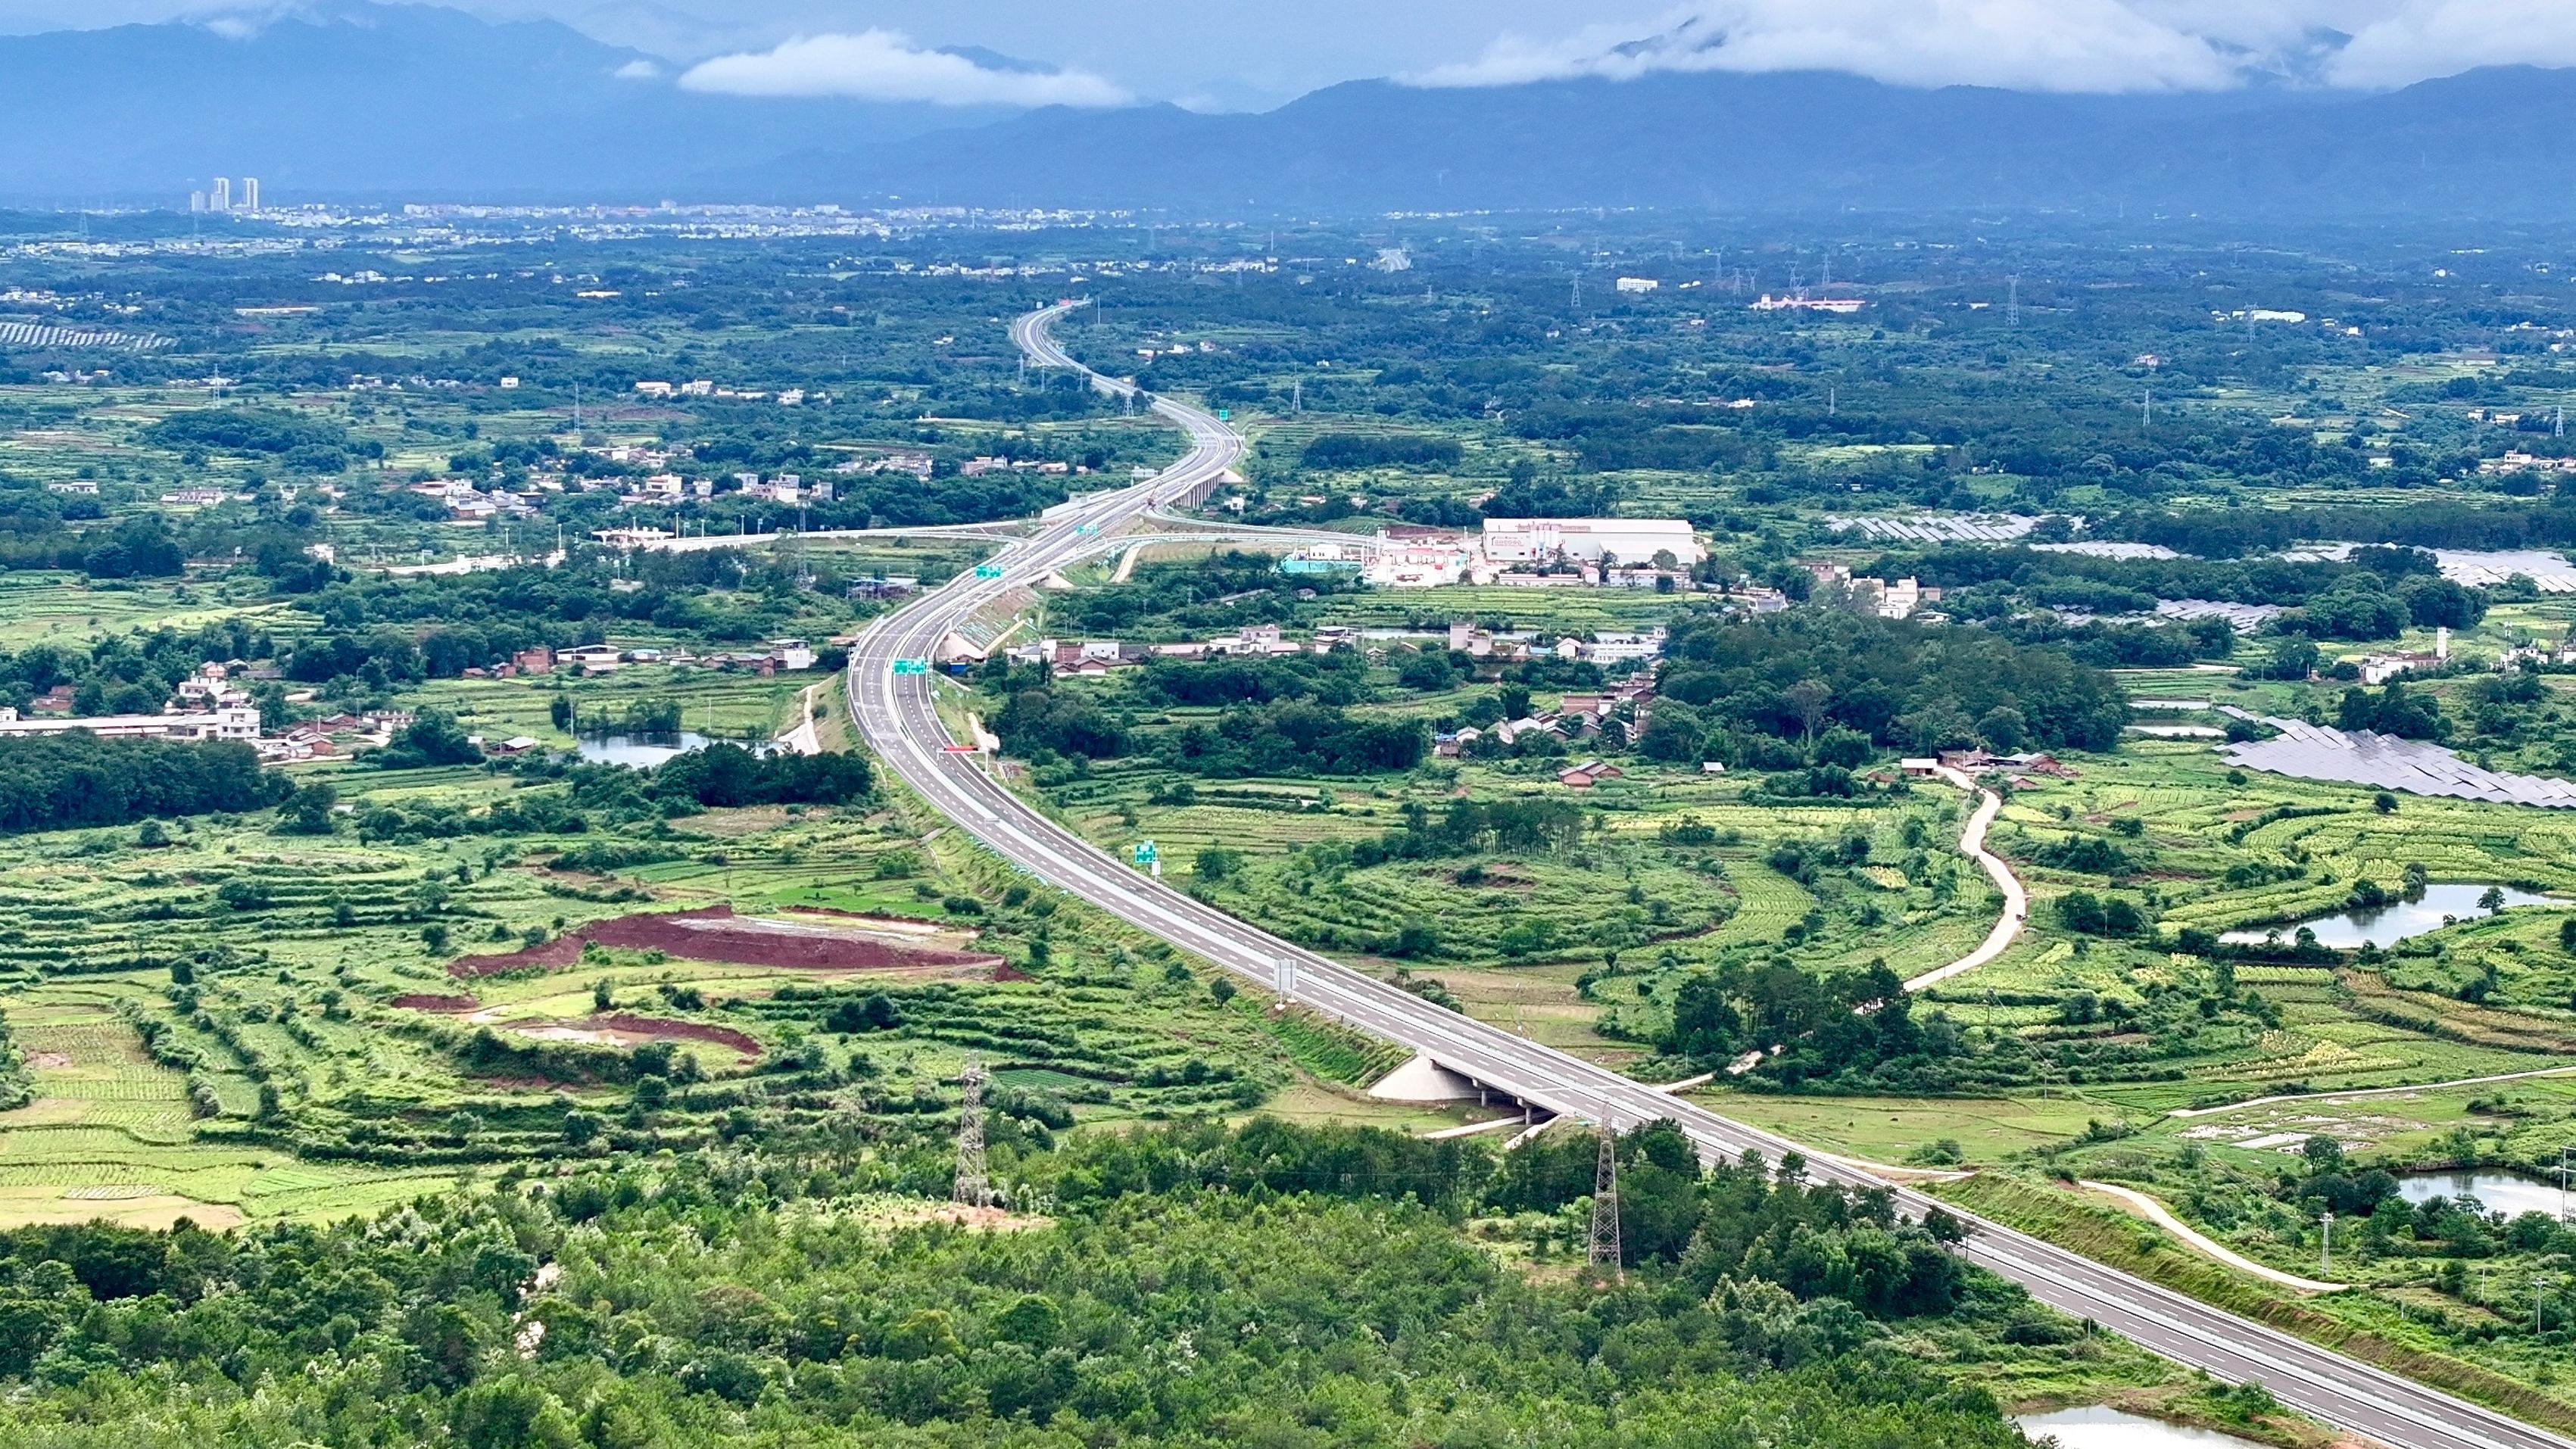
(1605, 1206)
(2012, 302)
(973, 1188)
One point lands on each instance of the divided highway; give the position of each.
(895, 715)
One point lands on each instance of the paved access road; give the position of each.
(894, 713)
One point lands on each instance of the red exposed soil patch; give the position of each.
(750, 943)
(663, 1026)
(1005, 971)
(437, 1003)
(48, 1061)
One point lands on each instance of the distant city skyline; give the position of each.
(1232, 54)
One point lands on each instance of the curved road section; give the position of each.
(1972, 844)
(893, 712)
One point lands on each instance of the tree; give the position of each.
(2081, 911)
(2491, 900)
(308, 810)
(1808, 699)
(2384, 803)
(435, 738)
(2003, 728)
(1674, 734)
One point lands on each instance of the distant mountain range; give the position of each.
(410, 102)
(421, 103)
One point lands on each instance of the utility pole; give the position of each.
(1605, 1206)
(2146, 410)
(973, 1188)
(2537, 1284)
(2325, 1255)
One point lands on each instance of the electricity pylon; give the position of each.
(1605, 1207)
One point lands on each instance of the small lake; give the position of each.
(642, 751)
(2502, 1192)
(2100, 1428)
(2385, 926)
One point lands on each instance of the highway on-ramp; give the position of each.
(895, 714)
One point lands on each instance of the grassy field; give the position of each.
(242, 1025)
(65, 609)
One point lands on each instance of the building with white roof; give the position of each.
(1591, 540)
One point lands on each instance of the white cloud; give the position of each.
(2444, 37)
(2052, 45)
(882, 65)
(639, 70)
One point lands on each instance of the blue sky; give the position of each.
(1254, 53)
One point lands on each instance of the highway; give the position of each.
(894, 714)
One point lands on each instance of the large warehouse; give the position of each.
(1633, 541)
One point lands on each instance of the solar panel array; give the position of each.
(2362, 757)
(2245, 617)
(2108, 549)
(2481, 568)
(41, 334)
(1937, 528)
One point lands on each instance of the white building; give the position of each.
(250, 193)
(1590, 540)
(225, 722)
(1637, 284)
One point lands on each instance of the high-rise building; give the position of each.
(196, 201)
(250, 193)
(221, 198)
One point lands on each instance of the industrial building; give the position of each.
(1591, 540)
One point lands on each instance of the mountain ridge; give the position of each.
(360, 101)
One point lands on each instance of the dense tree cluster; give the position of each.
(724, 776)
(75, 779)
(1847, 1025)
(1791, 676)
(1286, 736)
(1273, 1284)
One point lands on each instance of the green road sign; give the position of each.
(1087, 528)
(912, 666)
(1145, 853)
(988, 571)
(1223, 416)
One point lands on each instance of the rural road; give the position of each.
(803, 740)
(1972, 844)
(894, 714)
(2162, 1216)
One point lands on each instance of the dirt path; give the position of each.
(1972, 844)
(2157, 1213)
(2187, 1112)
(802, 740)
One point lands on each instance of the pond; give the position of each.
(2096, 1427)
(2385, 926)
(643, 751)
(2502, 1192)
